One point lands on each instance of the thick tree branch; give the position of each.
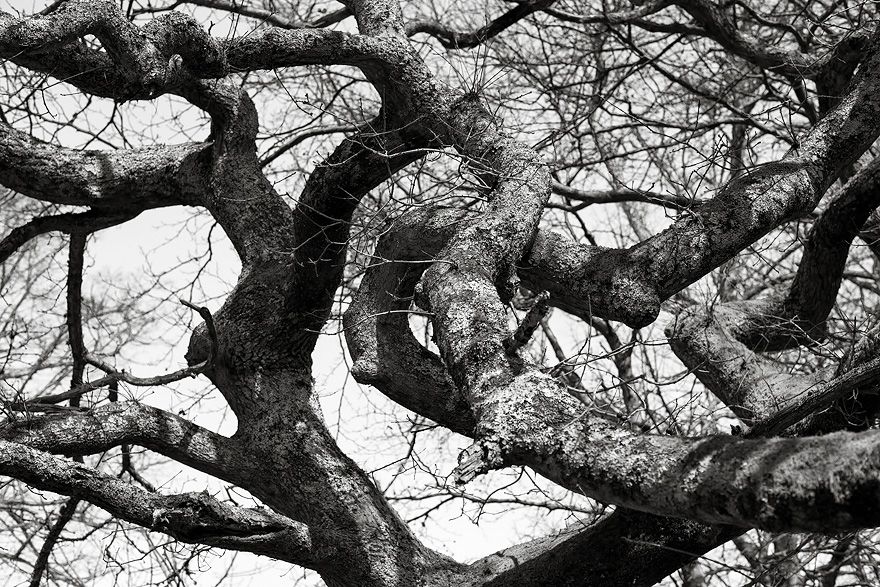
(272, 47)
(166, 54)
(814, 399)
(652, 546)
(124, 180)
(322, 217)
(475, 271)
(78, 433)
(628, 285)
(385, 352)
(811, 484)
(719, 342)
(143, 56)
(190, 517)
(90, 221)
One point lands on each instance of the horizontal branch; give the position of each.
(624, 195)
(167, 53)
(823, 484)
(77, 433)
(452, 39)
(167, 378)
(273, 47)
(270, 17)
(819, 397)
(190, 517)
(306, 134)
(84, 222)
(124, 179)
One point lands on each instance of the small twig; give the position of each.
(128, 467)
(529, 324)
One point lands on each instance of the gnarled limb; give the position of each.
(628, 285)
(143, 56)
(322, 217)
(79, 433)
(799, 484)
(191, 517)
(123, 180)
(720, 342)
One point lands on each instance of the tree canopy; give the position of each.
(614, 261)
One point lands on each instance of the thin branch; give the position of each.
(294, 141)
(530, 323)
(74, 310)
(167, 377)
(451, 39)
(65, 514)
(624, 195)
(90, 221)
(265, 16)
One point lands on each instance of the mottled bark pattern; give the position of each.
(677, 496)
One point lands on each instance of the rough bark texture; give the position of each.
(678, 496)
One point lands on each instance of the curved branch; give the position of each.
(90, 221)
(628, 285)
(792, 63)
(719, 343)
(459, 40)
(77, 433)
(475, 271)
(166, 54)
(385, 352)
(388, 356)
(190, 517)
(322, 217)
(143, 56)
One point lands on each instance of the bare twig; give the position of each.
(529, 324)
(168, 377)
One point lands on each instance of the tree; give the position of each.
(708, 164)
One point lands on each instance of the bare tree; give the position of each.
(708, 164)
